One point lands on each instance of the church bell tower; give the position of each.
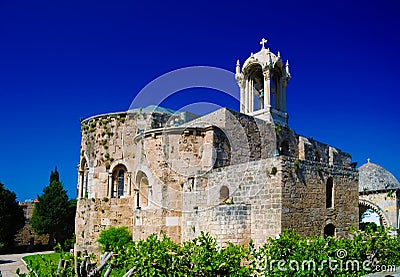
(263, 80)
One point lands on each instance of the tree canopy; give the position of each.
(54, 214)
(11, 217)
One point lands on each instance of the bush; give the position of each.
(160, 256)
(114, 239)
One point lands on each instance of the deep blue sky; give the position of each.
(64, 60)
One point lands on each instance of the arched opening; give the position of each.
(119, 181)
(369, 218)
(222, 148)
(142, 183)
(372, 214)
(329, 193)
(223, 193)
(255, 83)
(83, 179)
(329, 230)
(276, 88)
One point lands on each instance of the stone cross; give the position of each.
(262, 42)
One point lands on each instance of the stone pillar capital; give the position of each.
(267, 73)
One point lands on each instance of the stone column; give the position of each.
(81, 182)
(110, 185)
(129, 183)
(246, 87)
(267, 89)
(242, 95)
(251, 96)
(149, 194)
(248, 95)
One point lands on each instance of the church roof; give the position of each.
(264, 57)
(153, 108)
(373, 177)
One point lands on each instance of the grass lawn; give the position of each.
(43, 264)
(46, 264)
(40, 258)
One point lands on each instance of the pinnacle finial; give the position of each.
(279, 54)
(287, 67)
(263, 42)
(369, 160)
(237, 67)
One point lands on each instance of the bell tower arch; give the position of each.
(263, 80)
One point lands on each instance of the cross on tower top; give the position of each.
(263, 42)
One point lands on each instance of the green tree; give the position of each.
(53, 213)
(11, 217)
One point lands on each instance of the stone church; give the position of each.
(238, 175)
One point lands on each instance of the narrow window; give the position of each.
(329, 193)
(84, 180)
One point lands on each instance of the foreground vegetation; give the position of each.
(11, 218)
(288, 255)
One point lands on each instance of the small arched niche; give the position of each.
(329, 230)
(142, 188)
(224, 193)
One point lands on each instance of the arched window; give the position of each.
(329, 230)
(119, 181)
(329, 193)
(83, 176)
(223, 193)
(142, 183)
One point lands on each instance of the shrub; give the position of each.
(113, 238)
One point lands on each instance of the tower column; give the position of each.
(242, 96)
(244, 104)
(251, 96)
(284, 85)
(267, 89)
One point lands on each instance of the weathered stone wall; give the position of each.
(250, 138)
(26, 238)
(94, 215)
(252, 210)
(304, 197)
